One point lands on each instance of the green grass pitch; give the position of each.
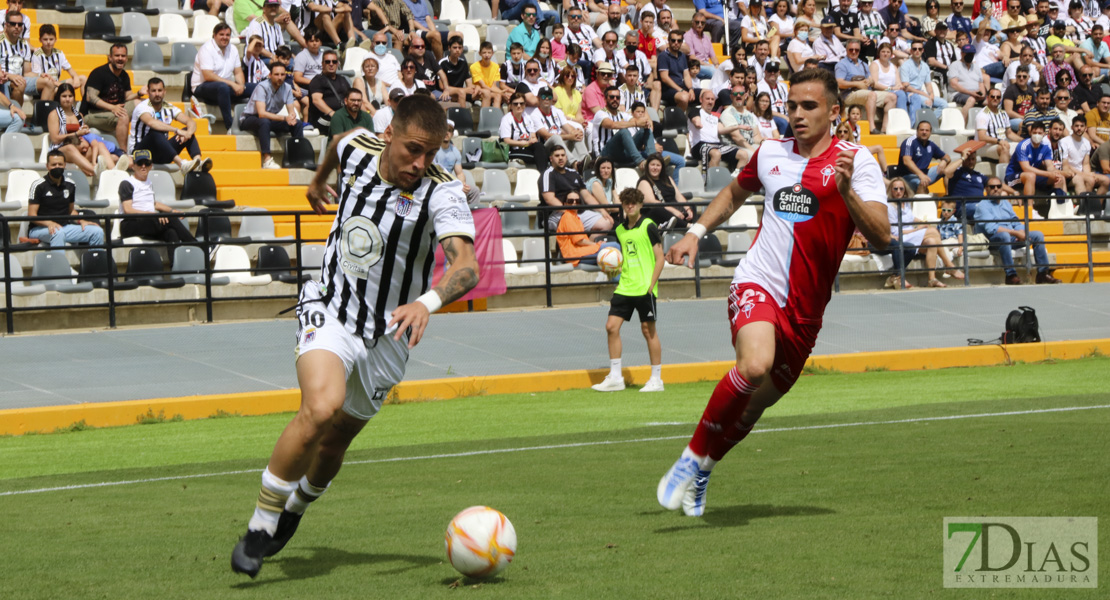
(839, 493)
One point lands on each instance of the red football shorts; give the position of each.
(750, 303)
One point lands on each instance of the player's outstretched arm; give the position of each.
(319, 193)
(460, 278)
(727, 201)
(870, 217)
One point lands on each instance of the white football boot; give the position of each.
(693, 503)
(673, 485)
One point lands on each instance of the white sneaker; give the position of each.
(122, 164)
(188, 166)
(653, 385)
(673, 485)
(693, 503)
(610, 384)
(101, 166)
(270, 164)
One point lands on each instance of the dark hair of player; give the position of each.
(423, 113)
(820, 76)
(631, 196)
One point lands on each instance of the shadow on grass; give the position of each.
(741, 514)
(322, 561)
(463, 581)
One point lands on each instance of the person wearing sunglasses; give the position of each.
(739, 125)
(326, 93)
(512, 10)
(956, 21)
(1062, 101)
(580, 33)
(526, 35)
(428, 70)
(593, 97)
(261, 115)
(993, 127)
(16, 6)
(713, 11)
(519, 134)
(996, 219)
(15, 58)
(673, 68)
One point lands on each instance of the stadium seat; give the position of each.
(709, 250)
(82, 194)
(258, 226)
(144, 265)
(674, 122)
(166, 191)
(514, 222)
(625, 178)
(498, 36)
(99, 26)
(508, 251)
(203, 24)
(717, 179)
(689, 182)
(925, 208)
(471, 40)
(472, 153)
(352, 61)
(463, 119)
(215, 228)
(19, 187)
(495, 186)
(108, 189)
(746, 217)
(951, 119)
(897, 122)
(96, 267)
(739, 242)
(58, 5)
(135, 6)
(454, 11)
(535, 254)
(237, 264)
(481, 11)
(274, 261)
(201, 188)
(149, 57)
(19, 288)
(930, 117)
(312, 260)
(1000, 171)
(101, 5)
(168, 7)
(670, 238)
(137, 27)
(528, 186)
(299, 154)
(17, 151)
(1061, 210)
(182, 57)
(55, 264)
(489, 120)
(189, 265)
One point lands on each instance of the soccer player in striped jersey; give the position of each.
(357, 324)
(819, 190)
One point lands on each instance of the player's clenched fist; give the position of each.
(686, 248)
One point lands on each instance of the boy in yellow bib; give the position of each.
(642, 247)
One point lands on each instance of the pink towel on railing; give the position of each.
(488, 249)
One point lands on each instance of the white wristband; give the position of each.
(431, 300)
(698, 230)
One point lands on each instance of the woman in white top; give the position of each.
(807, 13)
(886, 77)
(987, 56)
(784, 22)
(517, 133)
(408, 83)
(754, 27)
(373, 89)
(765, 117)
(799, 49)
(915, 233)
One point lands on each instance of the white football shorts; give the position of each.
(373, 367)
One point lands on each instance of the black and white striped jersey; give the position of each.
(167, 114)
(381, 249)
(272, 35)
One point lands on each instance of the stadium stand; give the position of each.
(162, 38)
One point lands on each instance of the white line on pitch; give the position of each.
(556, 447)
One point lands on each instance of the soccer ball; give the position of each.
(610, 260)
(480, 541)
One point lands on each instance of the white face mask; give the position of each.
(803, 35)
(380, 49)
(1037, 138)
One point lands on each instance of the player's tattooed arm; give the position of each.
(462, 275)
(727, 201)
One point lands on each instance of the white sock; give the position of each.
(657, 372)
(615, 368)
(305, 494)
(708, 464)
(688, 453)
(271, 499)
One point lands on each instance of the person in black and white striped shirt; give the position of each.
(152, 125)
(270, 27)
(371, 306)
(992, 127)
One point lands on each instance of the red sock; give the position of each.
(725, 407)
(727, 440)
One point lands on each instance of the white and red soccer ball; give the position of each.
(480, 542)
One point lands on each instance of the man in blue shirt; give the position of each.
(1032, 167)
(853, 78)
(963, 181)
(914, 157)
(525, 34)
(714, 13)
(917, 77)
(957, 22)
(510, 11)
(997, 220)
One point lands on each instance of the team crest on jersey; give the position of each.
(309, 335)
(404, 204)
(795, 203)
(747, 309)
(827, 174)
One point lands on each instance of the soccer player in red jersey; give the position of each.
(818, 190)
